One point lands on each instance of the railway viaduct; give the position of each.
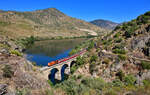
(57, 71)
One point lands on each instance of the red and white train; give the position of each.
(65, 59)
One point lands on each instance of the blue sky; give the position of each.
(114, 10)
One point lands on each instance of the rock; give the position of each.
(4, 51)
(3, 89)
(146, 51)
(139, 42)
(142, 76)
(148, 28)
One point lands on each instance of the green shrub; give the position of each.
(95, 83)
(91, 45)
(121, 75)
(147, 13)
(117, 35)
(119, 46)
(110, 92)
(130, 80)
(122, 57)
(117, 83)
(16, 52)
(117, 27)
(7, 71)
(93, 58)
(119, 51)
(92, 67)
(27, 41)
(73, 51)
(118, 40)
(129, 33)
(145, 65)
(146, 82)
(106, 61)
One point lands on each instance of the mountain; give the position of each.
(44, 23)
(104, 24)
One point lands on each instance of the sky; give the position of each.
(88, 10)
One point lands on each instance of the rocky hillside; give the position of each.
(44, 23)
(115, 64)
(104, 24)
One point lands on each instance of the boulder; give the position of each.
(3, 89)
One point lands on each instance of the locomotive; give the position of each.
(65, 59)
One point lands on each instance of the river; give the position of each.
(42, 52)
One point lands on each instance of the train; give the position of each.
(65, 59)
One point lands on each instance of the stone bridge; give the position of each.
(58, 71)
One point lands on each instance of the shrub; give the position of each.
(106, 61)
(110, 92)
(95, 83)
(92, 68)
(146, 83)
(27, 41)
(118, 40)
(80, 61)
(16, 52)
(117, 83)
(117, 35)
(91, 45)
(147, 13)
(121, 75)
(130, 80)
(7, 71)
(129, 33)
(93, 58)
(119, 51)
(117, 27)
(145, 65)
(119, 46)
(73, 51)
(122, 57)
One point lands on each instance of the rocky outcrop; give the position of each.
(139, 42)
(3, 89)
(25, 76)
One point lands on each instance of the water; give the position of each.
(43, 52)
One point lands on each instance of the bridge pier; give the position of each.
(67, 71)
(58, 75)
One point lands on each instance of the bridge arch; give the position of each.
(72, 63)
(64, 71)
(52, 75)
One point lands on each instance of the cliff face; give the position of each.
(44, 23)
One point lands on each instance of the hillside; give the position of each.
(44, 23)
(104, 24)
(115, 64)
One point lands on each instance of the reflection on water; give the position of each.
(43, 52)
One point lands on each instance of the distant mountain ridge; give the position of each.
(104, 24)
(44, 23)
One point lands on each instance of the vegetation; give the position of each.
(79, 62)
(27, 41)
(145, 65)
(119, 51)
(7, 71)
(120, 75)
(93, 58)
(92, 67)
(91, 45)
(130, 80)
(122, 57)
(16, 52)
